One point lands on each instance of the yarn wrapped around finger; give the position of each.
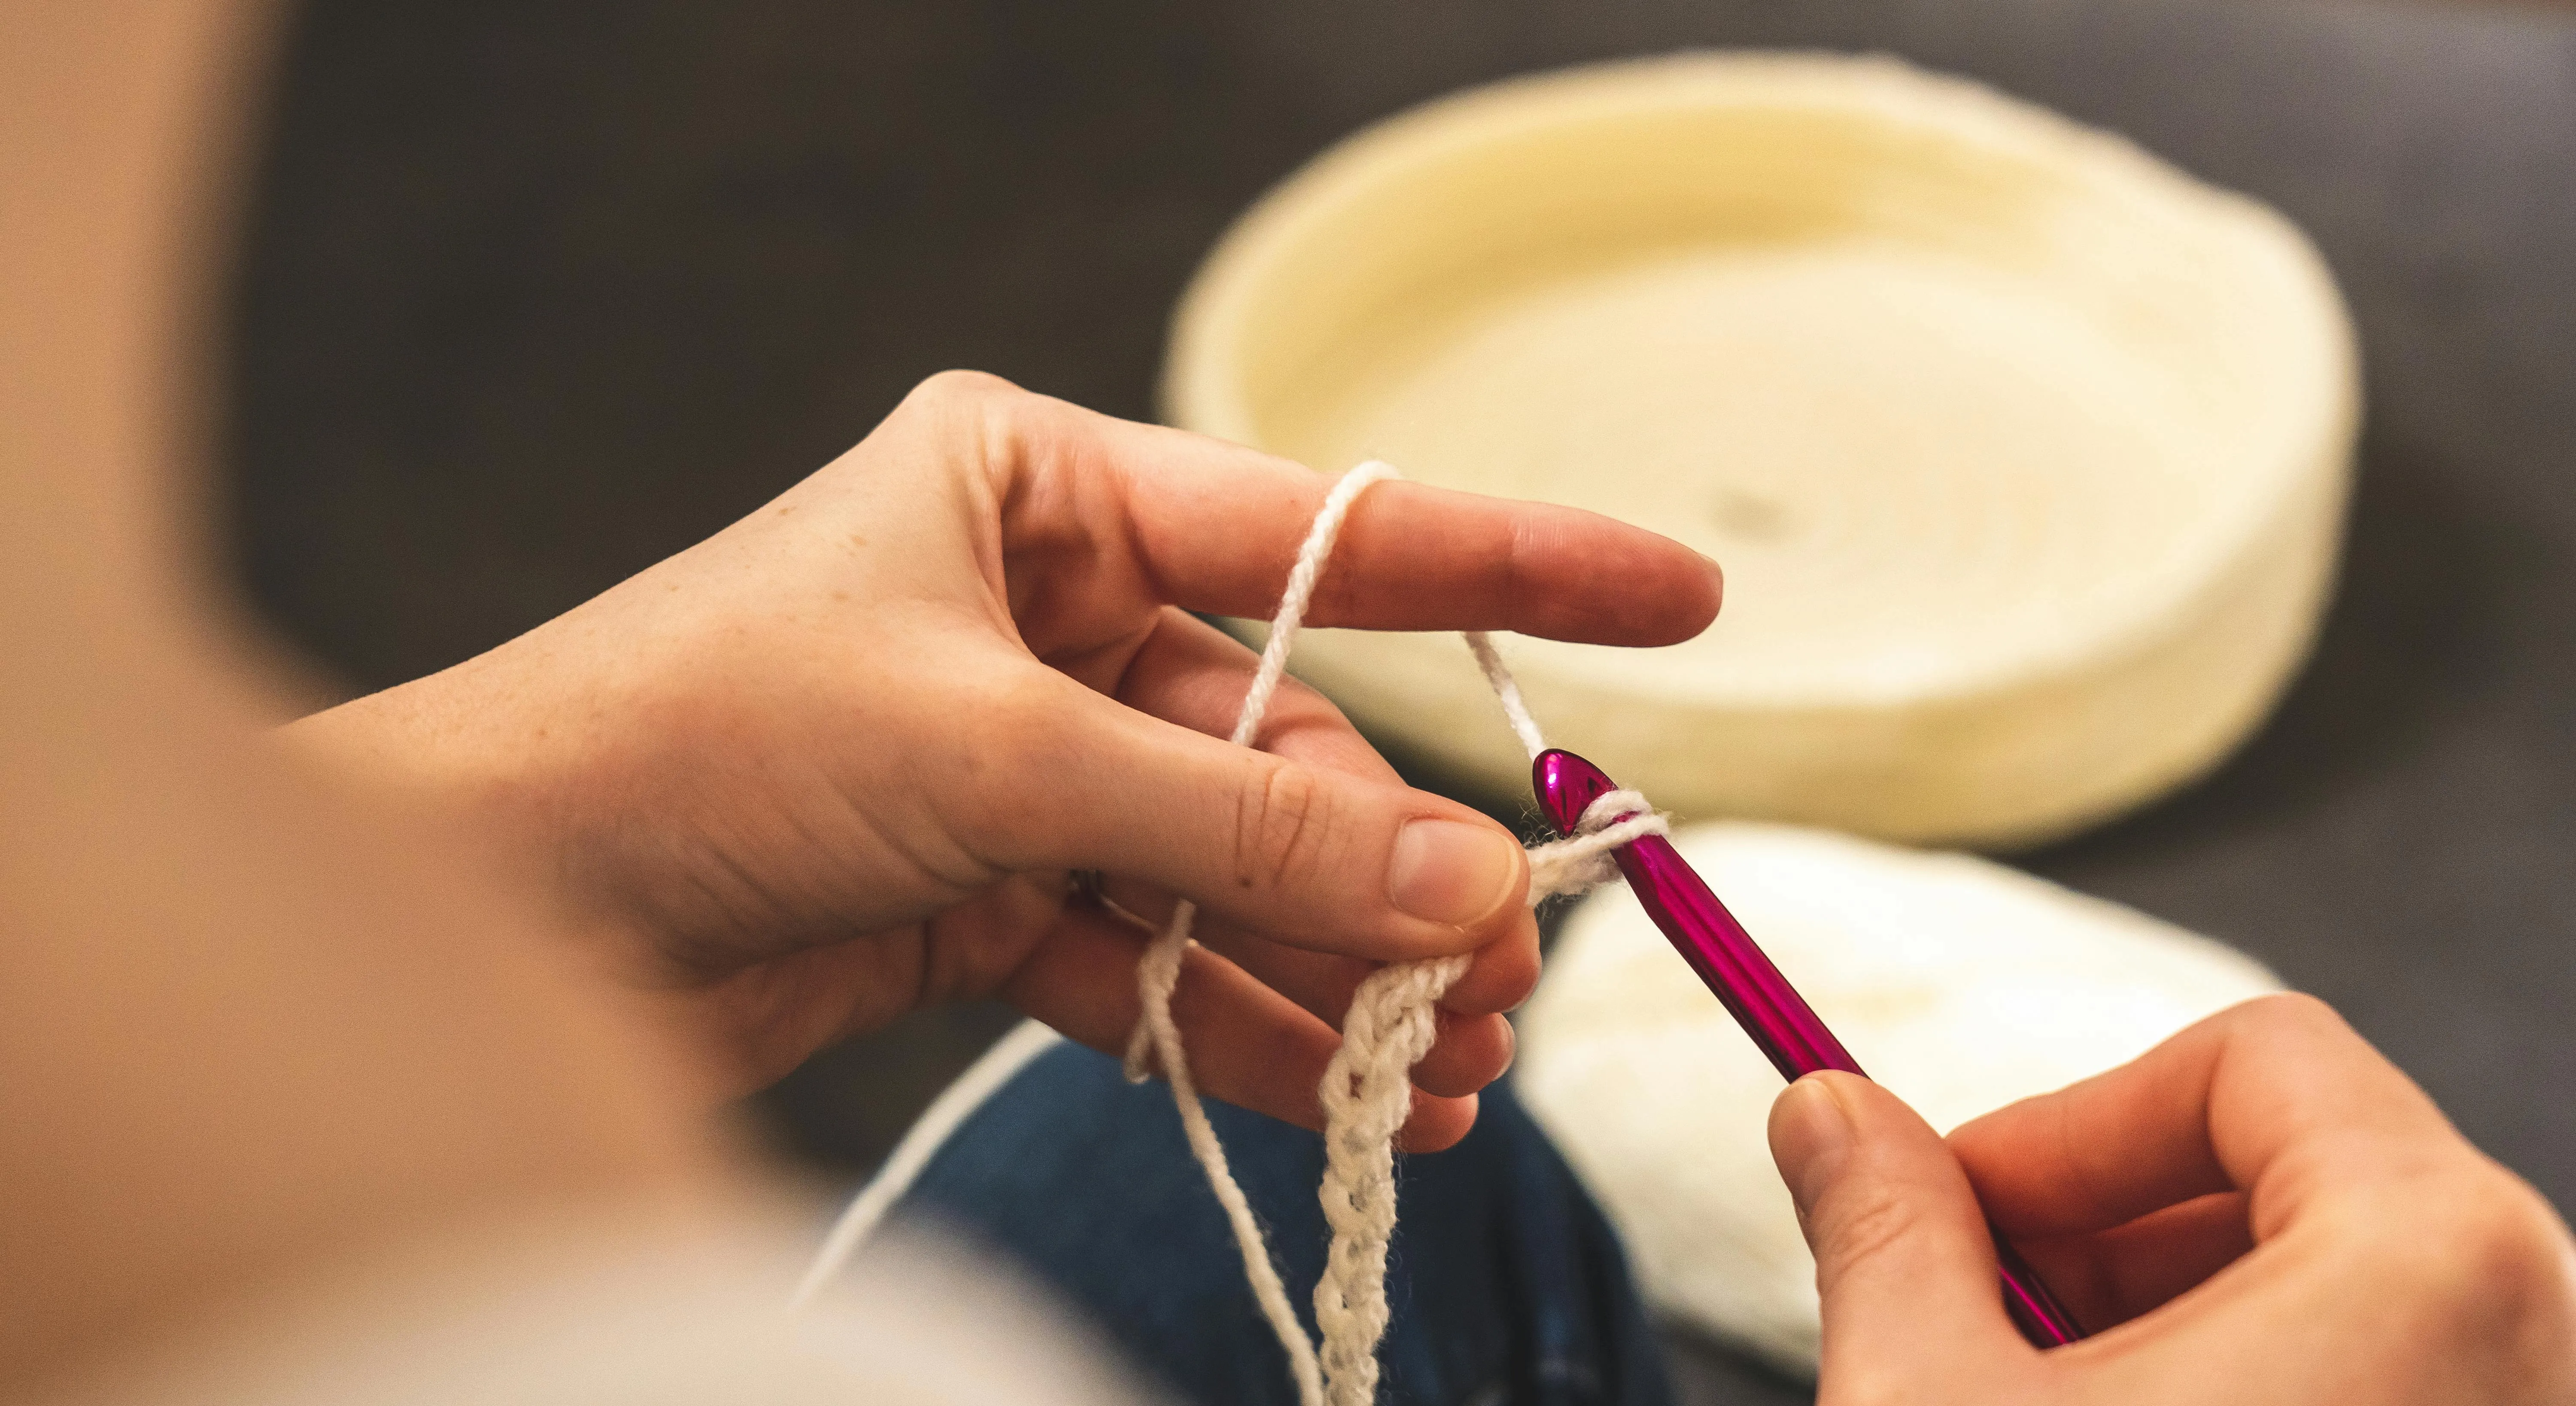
(1367, 1088)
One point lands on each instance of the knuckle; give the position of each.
(2507, 1248)
(959, 388)
(2292, 1010)
(2486, 1261)
(1003, 425)
(1281, 824)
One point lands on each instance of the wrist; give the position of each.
(463, 744)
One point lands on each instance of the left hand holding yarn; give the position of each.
(837, 761)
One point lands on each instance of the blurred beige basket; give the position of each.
(2024, 452)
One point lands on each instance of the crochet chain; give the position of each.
(1368, 1087)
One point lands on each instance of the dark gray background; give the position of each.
(537, 293)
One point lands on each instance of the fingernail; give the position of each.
(1810, 1134)
(1447, 871)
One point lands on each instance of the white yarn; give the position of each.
(1507, 690)
(1368, 1089)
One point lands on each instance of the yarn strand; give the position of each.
(1367, 1091)
(1507, 691)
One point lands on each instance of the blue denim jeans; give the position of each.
(1506, 1284)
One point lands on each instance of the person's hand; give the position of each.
(836, 761)
(2260, 1210)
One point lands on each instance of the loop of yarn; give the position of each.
(1581, 862)
(1368, 1088)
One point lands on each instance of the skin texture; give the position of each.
(258, 1025)
(483, 951)
(2259, 1210)
(976, 670)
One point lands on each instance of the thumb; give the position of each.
(1904, 1262)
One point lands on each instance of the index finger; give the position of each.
(1216, 526)
(2277, 1097)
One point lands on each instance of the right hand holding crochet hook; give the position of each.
(2261, 1209)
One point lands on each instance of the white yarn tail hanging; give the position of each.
(1368, 1087)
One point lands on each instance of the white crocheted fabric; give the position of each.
(1959, 983)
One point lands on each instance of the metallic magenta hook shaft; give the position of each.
(1736, 970)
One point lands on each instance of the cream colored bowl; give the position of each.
(2025, 453)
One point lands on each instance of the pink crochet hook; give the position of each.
(1780, 1021)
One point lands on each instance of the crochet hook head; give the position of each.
(1717, 947)
(1567, 785)
(1738, 972)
